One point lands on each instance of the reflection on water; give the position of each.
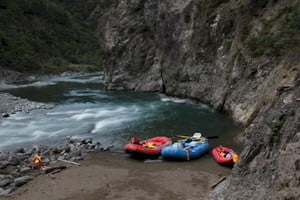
(85, 109)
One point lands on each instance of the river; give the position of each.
(84, 109)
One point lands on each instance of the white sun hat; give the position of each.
(197, 136)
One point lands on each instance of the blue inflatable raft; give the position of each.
(185, 150)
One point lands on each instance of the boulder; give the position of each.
(4, 182)
(22, 180)
(20, 150)
(25, 170)
(3, 164)
(7, 191)
(5, 115)
(13, 159)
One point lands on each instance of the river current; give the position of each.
(84, 109)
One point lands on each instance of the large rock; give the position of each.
(3, 164)
(5, 180)
(25, 170)
(6, 192)
(22, 180)
(13, 159)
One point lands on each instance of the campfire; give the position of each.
(37, 162)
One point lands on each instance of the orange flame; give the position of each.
(37, 160)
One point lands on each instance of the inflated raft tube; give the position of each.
(150, 147)
(185, 150)
(224, 155)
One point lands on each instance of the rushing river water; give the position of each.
(84, 109)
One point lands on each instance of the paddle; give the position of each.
(184, 136)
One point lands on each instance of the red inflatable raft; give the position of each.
(150, 147)
(224, 155)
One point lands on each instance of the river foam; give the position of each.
(84, 109)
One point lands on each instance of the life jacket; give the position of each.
(150, 145)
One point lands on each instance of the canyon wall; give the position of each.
(241, 57)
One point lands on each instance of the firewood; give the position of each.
(51, 169)
(70, 162)
(218, 182)
(56, 171)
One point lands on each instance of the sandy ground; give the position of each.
(117, 176)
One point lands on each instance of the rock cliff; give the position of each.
(241, 57)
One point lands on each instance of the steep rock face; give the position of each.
(133, 55)
(192, 49)
(238, 56)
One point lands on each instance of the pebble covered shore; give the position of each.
(16, 168)
(10, 104)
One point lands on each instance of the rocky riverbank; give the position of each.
(16, 168)
(10, 104)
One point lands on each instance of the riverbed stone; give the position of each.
(25, 170)
(4, 156)
(13, 159)
(5, 115)
(22, 180)
(3, 164)
(7, 191)
(77, 158)
(57, 150)
(4, 182)
(20, 150)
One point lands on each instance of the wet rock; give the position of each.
(22, 180)
(5, 115)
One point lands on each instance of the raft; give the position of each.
(185, 150)
(224, 155)
(150, 147)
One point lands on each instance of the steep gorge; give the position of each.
(241, 57)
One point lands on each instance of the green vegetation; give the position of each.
(279, 40)
(46, 36)
(276, 126)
